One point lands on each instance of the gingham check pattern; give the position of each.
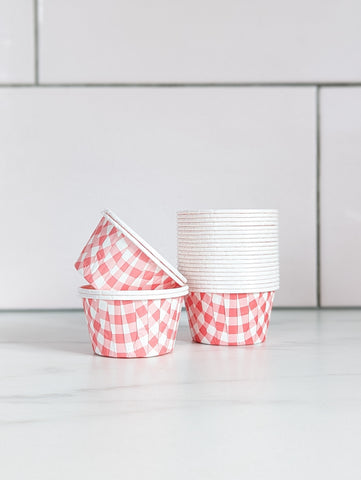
(127, 328)
(229, 318)
(110, 261)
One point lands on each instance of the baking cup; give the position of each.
(224, 236)
(233, 286)
(249, 232)
(115, 257)
(218, 252)
(232, 269)
(203, 230)
(186, 239)
(202, 259)
(219, 239)
(222, 245)
(229, 318)
(262, 286)
(230, 211)
(132, 324)
(232, 277)
(240, 244)
(251, 250)
(231, 274)
(218, 218)
(227, 224)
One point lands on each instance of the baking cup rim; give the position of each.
(87, 291)
(235, 211)
(144, 246)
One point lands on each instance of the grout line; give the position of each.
(40, 310)
(36, 43)
(79, 310)
(318, 195)
(160, 85)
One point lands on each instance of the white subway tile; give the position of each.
(146, 152)
(200, 41)
(341, 197)
(16, 41)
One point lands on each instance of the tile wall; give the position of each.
(150, 107)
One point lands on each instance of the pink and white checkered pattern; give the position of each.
(229, 318)
(110, 261)
(128, 328)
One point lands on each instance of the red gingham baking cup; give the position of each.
(128, 325)
(229, 318)
(116, 258)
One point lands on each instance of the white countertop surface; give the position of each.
(289, 408)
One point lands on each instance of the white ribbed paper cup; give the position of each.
(245, 251)
(231, 272)
(226, 212)
(234, 287)
(231, 278)
(193, 232)
(229, 257)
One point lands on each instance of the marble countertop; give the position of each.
(290, 408)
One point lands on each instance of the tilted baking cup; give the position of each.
(115, 257)
(229, 318)
(125, 327)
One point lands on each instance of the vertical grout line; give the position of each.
(36, 41)
(318, 193)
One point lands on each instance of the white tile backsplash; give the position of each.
(341, 197)
(200, 41)
(16, 41)
(68, 152)
(146, 153)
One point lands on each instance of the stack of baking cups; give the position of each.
(134, 296)
(230, 259)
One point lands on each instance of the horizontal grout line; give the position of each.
(40, 310)
(182, 85)
(318, 308)
(78, 310)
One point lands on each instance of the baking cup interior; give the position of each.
(145, 247)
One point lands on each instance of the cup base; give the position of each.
(130, 355)
(220, 343)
